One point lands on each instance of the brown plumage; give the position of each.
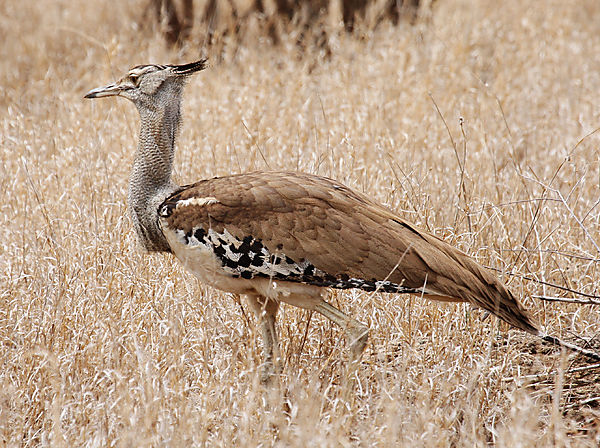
(283, 236)
(342, 233)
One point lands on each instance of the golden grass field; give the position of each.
(478, 123)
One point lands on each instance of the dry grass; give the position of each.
(101, 345)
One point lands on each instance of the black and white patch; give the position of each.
(248, 258)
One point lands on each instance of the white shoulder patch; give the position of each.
(197, 201)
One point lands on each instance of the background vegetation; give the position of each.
(476, 122)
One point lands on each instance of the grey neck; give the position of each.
(150, 181)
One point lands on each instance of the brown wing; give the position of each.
(342, 233)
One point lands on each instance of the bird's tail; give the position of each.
(486, 291)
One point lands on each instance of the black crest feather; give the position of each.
(188, 69)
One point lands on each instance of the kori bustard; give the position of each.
(284, 236)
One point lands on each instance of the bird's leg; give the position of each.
(358, 333)
(358, 336)
(266, 311)
(311, 300)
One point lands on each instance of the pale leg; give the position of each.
(358, 333)
(266, 312)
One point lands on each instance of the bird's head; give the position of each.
(148, 85)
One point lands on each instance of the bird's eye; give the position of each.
(134, 79)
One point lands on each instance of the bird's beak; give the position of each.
(109, 90)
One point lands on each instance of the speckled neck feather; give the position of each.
(150, 180)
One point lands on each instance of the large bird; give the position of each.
(285, 236)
